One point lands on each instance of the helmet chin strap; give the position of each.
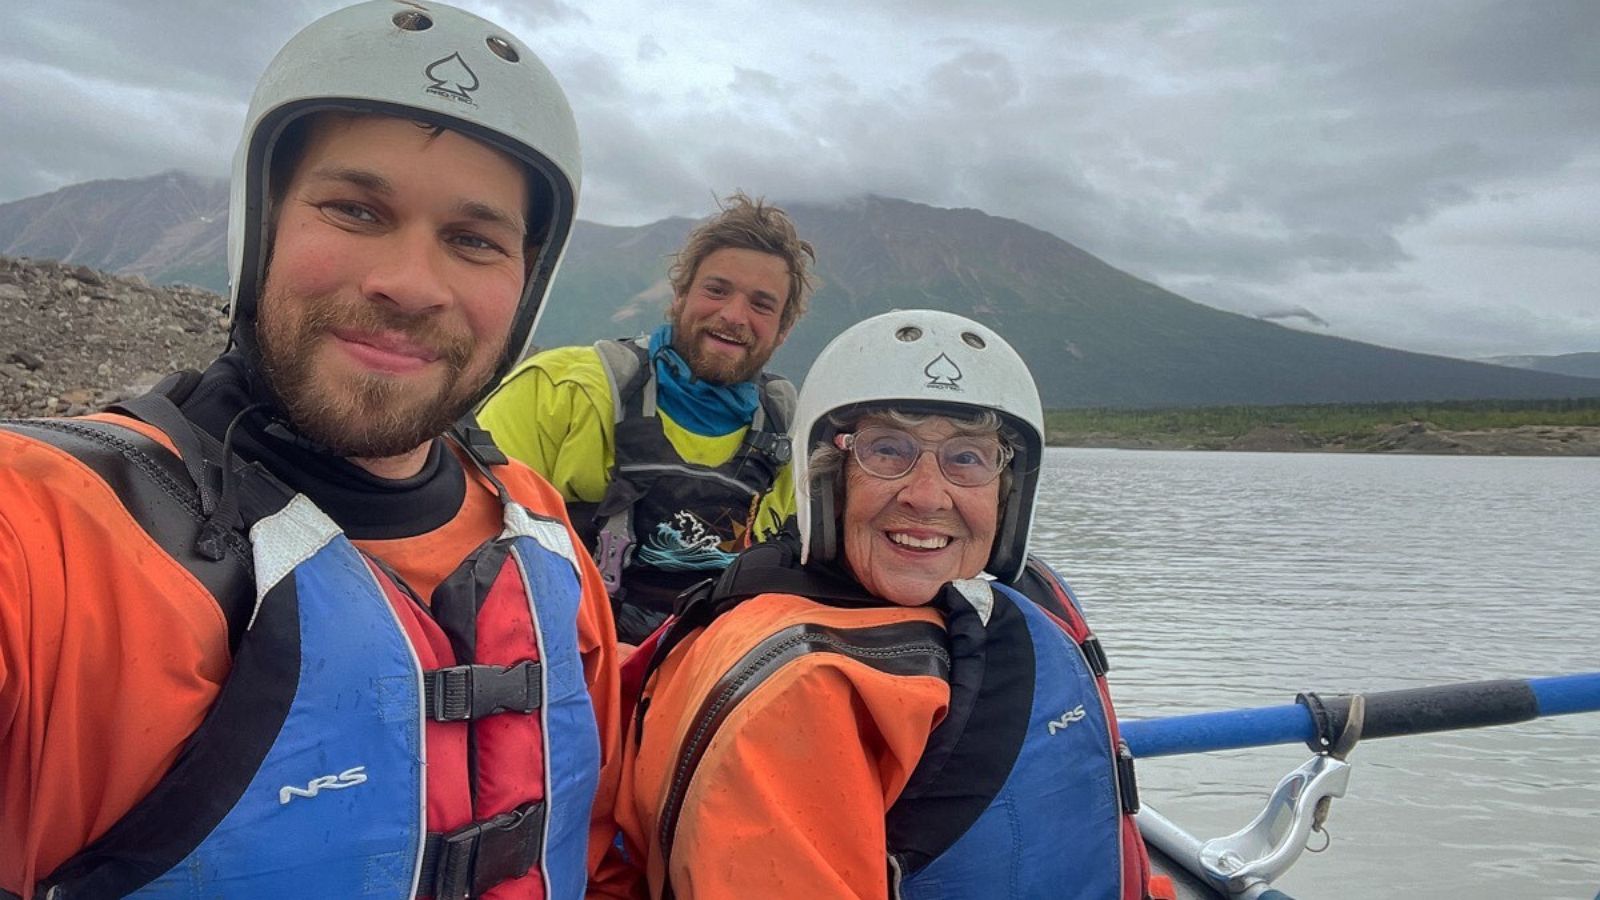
(1002, 563)
(263, 399)
(824, 543)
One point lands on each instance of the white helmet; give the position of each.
(920, 361)
(427, 62)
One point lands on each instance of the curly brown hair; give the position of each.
(746, 224)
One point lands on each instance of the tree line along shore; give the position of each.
(1475, 427)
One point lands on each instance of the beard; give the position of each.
(365, 415)
(714, 367)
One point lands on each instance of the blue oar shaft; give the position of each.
(1565, 694)
(1388, 714)
(1224, 730)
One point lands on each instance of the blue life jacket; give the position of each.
(1052, 825)
(307, 777)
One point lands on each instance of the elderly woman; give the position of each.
(855, 712)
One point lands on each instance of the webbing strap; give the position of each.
(463, 693)
(627, 366)
(478, 443)
(778, 400)
(474, 858)
(194, 445)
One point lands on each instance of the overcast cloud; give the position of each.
(1422, 174)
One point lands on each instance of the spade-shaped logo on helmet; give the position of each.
(943, 373)
(452, 79)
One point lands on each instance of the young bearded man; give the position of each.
(282, 628)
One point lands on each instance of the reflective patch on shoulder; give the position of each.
(286, 539)
(551, 534)
(978, 593)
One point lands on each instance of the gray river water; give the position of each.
(1226, 580)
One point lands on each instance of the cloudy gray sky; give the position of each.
(1421, 174)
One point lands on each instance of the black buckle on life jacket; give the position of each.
(474, 858)
(462, 693)
(1127, 785)
(776, 446)
(1096, 655)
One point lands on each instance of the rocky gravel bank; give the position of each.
(73, 339)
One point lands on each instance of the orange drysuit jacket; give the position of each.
(790, 797)
(111, 652)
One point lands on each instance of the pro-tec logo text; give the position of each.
(452, 79)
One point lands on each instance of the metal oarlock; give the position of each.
(1246, 863)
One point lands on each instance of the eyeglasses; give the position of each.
(966, 460)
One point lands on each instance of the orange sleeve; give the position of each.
(790, 795)
(790, 798)
(15, 874)
(14, 600)
(110, 655)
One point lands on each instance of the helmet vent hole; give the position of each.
(973, 340)
(502, 48)
(411, 20)
(909, 333)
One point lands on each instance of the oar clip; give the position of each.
(1261, 852)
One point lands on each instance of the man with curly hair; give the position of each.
(667, 447)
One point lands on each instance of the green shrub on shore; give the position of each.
(1325, 422)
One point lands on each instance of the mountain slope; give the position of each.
(1094, 335)
(169, 228)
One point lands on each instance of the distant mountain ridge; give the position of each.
(170, 228)
(1583, 365)
(1093, 335)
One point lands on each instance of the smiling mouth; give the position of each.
(726, 339)
(931, 542)
(386, 352)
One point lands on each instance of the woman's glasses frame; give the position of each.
(858, 444)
